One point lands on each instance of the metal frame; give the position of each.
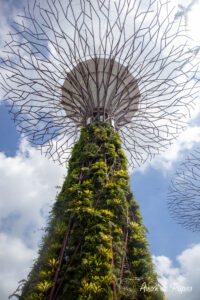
(184, 193)
(52, 37)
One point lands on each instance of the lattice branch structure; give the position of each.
(184, 193)
(127, 62)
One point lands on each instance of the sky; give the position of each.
(28, 184)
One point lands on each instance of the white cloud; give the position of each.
(9, 11)
(15, 260)
(182, 282)
(27, 184)
(192, 18)
(165, 161)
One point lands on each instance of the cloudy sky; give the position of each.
(28, 188)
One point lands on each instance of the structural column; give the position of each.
(95, 245)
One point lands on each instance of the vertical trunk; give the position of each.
(87, 256)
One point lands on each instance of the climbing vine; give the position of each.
(95, 243)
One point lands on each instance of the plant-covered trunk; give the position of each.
(95, 243)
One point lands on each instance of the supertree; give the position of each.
(124, 71)
(184, 193)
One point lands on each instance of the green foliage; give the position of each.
(97, 198)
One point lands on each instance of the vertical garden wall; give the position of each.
(95, 243)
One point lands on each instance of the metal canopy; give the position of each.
(100, 90)
(126, 62)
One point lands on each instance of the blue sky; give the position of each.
(165, 236)
(27, 185)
